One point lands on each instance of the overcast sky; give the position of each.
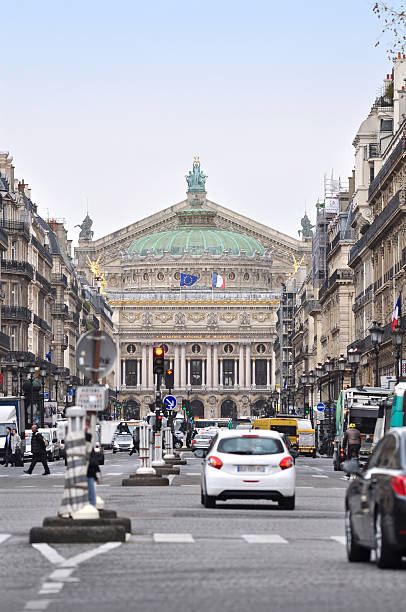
(107, 102)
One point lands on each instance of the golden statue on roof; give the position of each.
(98, 275)
(296, 265)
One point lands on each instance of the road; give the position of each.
(181, 556)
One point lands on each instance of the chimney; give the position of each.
(21, 185)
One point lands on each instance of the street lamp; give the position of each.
(397, 341)
(304, 381)
(319, 373)
(311, 379)
(56, 379)
(31, 370)
(43, 373)
(376, 332)
(342, 364)
(354, 357)
(329, 367)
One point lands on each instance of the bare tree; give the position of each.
(393, 23)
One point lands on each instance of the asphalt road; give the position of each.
(181, 556)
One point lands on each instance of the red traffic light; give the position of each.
(169, 372)
(158, 351)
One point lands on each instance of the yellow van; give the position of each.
(283, 425)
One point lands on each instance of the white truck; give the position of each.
(11, 415)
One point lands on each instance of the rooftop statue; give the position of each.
(86, 231)
(196, 179)
(306, 230)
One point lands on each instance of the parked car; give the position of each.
(242, 465)
(375, 504)
(122, 443)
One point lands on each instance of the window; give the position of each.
(196, 372)
(228, 348)
(260, 371)
(131, 372)
(228, 372)
(196, 348)
(389, 455)
(13, 338)
(248, 445)
(13, 250)
(14, 294)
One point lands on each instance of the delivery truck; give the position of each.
(12, 414)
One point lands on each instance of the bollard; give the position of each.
(145, 467)
(168, 444)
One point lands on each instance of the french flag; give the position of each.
(396, 314)
(218, 281)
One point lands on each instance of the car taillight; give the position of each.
(286, 463)
(399, 484)
(250, 436)
(215, 462)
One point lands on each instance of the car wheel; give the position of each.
(178, 445)
(288, 503)
(386, 557)
(355, 552)
(209, 501)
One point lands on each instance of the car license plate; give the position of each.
(250, 468)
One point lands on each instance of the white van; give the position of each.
(51, 438)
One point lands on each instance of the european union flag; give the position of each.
(49, 354)
(187, 280)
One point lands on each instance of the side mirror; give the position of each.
(200, 452)
(351, 467)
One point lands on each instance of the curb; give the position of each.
(75, 534)
(52, 521)
(145, 481)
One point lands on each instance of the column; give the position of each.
(241, 367)
(203, 373)
(253, 373)
(150, 367)
(215, 367)
(188, 381)
(235, 372)
(176, 367)
(221, 373)
(267, 374)
(248, 366)
(183, 366)
(123, 379)
(138, 373)
(273, 370)
(209, 365)
(144, 379)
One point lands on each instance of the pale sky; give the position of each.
(108, 102)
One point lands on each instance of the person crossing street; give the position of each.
(38, 449)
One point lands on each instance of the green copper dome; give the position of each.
(196, 241)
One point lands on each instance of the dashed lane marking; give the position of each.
(114, 474)
(264, 538)
(50, 588)
(339, 539)
(319, 476)
(4, 537)
(63, 575)
(179, 538)
(37, 604)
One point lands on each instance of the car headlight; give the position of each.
(115, 444)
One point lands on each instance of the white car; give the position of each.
(243, 465)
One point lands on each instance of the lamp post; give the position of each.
(56, 379)
(342, 364)
(304, 381)
(319, 374)
(21, 367)
(397, 341)
(329, 367)
(31, 370)
(376, 337)
(311, 379)
(43, 373)
(354, 357)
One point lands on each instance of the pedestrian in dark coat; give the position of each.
(39, 452)
(7, 448)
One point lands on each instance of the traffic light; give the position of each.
(186, 407)
(307, 409)
(169, 379)
(158, 360)
(158, 421)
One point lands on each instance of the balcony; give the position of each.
(17, 267)
(16, 312)
(74, 316)
(41, 323)
(313, 307)
(345, 236)
(386, 168)
(15, 226)
(59, 279)
(59, 309)
(42, 249)
(338, 275)
(46, 285)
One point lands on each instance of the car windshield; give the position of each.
(246, 445)
(3, 428)
(289, 430)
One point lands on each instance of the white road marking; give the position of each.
(181, 538)
(63, 575)
(170, 477)
(49, 588)
(339, 539)
(27, 487)
(4, 537)
(58, 486)
(305, 487)
(103, 485)
(77, 559)
(114, 474)
(49, 553)
(37, 604)
(264, 538)
(319, 476)
(191, 474)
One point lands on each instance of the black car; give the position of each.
(375, 504)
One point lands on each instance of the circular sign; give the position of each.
(170, 402)
(96, 353)
(320, 406)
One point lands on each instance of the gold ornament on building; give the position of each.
(296, 265)
(98, 275)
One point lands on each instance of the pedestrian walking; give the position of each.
(93, 467)
(39, 453)
(16, 451)
(136, 441)
(7, 448)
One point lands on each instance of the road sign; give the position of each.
(96, 353)
(170, 402)
(320, 406)
(92, 398)
(46, 395)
